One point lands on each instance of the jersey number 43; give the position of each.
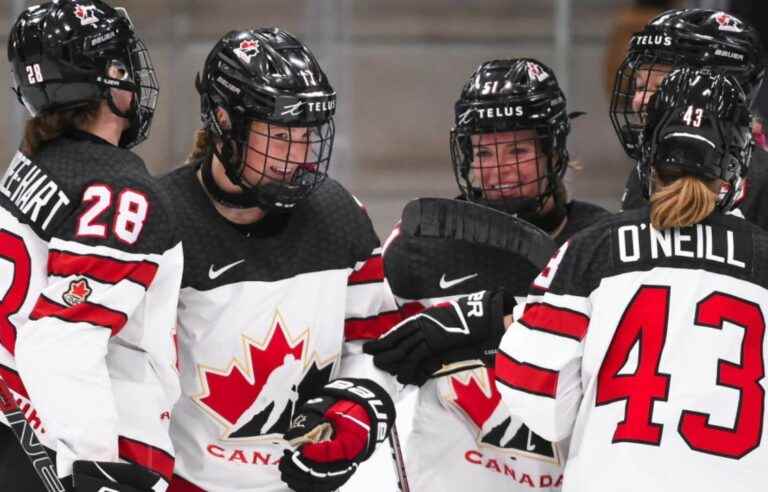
(645, 322)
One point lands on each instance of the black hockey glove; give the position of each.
(102, 476)
(415, 349)
(335, 432)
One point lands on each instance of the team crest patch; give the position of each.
(78, 292)
(726, 22)
(87, 14)
(536, 72)
(248, 49)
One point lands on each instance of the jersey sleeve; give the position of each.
(101, 263)
(371, 309)
(538, 365)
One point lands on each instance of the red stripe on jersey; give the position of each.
(371, 271)
(371, 328)
(180, 485)
(103, 269)
(85, 312)
(555, 320)
(525, 377)
(147, 456)
(13, 380)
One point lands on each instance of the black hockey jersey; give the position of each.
(753, 202)
(647, 349)
(463, 438)
(90, 268)
(268, 314)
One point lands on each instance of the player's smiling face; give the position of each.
(508, 164)
(275, 153)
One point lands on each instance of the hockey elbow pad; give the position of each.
(335, 432)
(102, 476)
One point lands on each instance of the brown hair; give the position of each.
(202, 147)
(46, 127)
(681, 202)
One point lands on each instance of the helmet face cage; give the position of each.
(145, 94)
(511, 170)
(284, 164)
(276, 143)
(637, 79)
(699, 124)
(508, 145)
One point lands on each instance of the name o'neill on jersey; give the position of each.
(474, 396)
(254, 400)
(638, 242)
(32, 191)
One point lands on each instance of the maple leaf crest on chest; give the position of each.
(256, 396)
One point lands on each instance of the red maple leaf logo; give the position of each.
(81, 12)
(78, 292)
(477, 402)
(229, 393)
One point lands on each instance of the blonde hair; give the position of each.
(681, 202)
(202, 147)
(46, 127)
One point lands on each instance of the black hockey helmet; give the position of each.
(695, 38)
(273, 90)
(500, 102)
(699, 125)
(61, 52)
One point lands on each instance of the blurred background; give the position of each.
(397, 66)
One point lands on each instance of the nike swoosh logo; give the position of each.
(447, 284)
(216, 273)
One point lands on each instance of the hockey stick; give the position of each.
(397, 460)
(35, 451)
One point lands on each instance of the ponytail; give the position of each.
(683, 202)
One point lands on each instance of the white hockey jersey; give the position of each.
(648, 350)
(268, 314)
(89, 274)
(463, 437)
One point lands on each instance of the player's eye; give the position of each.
(483, 152)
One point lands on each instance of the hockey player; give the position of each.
(89, 261)
(509, 157)
(283, 280)
(695, 38)
(631, 334)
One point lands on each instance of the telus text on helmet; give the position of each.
(652, 40)
(495, 112)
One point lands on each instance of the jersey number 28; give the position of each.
(645, 323)
(132, 209)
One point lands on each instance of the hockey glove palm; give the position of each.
(469, 328)
(335, 432)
